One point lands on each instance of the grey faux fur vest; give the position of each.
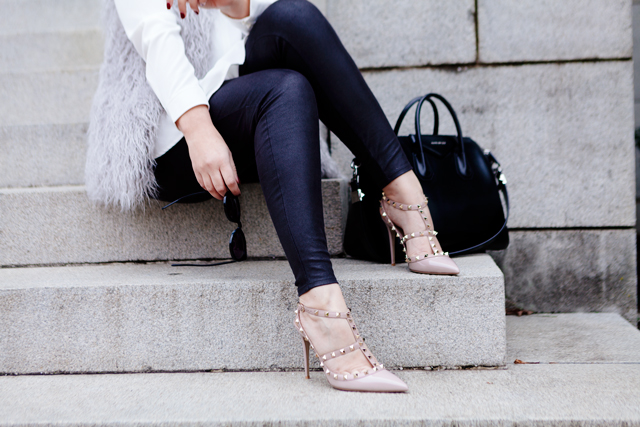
(125, 115)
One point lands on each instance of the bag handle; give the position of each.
(461, 159)
(502, 187)
(406, 108)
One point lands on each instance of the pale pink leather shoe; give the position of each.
(436, 262)
(375, 378)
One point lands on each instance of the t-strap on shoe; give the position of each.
(375, 378)
(436, 262)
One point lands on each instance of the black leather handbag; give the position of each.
(462, 181)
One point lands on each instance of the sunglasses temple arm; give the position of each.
(184, 197)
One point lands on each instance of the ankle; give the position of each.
(328, 297)
(405, 189)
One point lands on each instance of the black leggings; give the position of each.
(296, 71)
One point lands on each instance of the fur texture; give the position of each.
(125, 115)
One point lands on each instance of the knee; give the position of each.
(293, 88)
(293, 14)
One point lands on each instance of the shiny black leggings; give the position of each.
(296, 71)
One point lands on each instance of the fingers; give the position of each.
(230, 177)
(182, 6)
(194, 6)
(211, 187)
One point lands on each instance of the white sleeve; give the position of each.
(155, 33)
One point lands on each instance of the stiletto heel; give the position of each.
(374, 378)
(437, 262)
(305, 347)
(392, 246)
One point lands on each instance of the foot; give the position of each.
(331, 334)
(406, 190)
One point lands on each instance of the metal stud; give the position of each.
(335, 376)
(356, 374)
(384, 214)
(326, 314)
(351, 347)
(324, 357)
(297, 321)
(296, 311)
(342, 351)
(409, 206)
(333, 354)
(381, 366)
(413, 234)
(430, 238)
(418, 206)
(316, 312)
(301, 330)
(328, 371)
(345, 376)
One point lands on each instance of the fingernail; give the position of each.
(168, 5)
(197, 13)
(181, 15)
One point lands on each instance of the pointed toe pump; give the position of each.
(436, 262)
(376, 378)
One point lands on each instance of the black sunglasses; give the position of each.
(237, 241)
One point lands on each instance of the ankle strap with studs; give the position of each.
(357, 345)
(405, 207)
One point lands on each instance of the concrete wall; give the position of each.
(547, 86)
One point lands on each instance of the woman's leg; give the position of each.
(293, 34)
(270, 123)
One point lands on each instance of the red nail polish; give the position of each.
(169, 6)
(181, 15)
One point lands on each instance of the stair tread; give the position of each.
(527, 395)
(154, 317)
(33, 218)
(246, 273)
(51, 51)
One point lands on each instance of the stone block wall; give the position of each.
(548, 87)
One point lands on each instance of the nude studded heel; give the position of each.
(436, 262)
(376, 378)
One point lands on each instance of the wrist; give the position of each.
(238, 9)
(194, 121)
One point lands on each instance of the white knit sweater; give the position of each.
(126, 113)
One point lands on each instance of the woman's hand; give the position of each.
(210, 157)
(236, 9)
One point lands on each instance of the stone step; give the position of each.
(53, 51)
(154, 317)
(38, 16)
(43, 155)
(573, 393)
(52, 97)
(58, 225)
